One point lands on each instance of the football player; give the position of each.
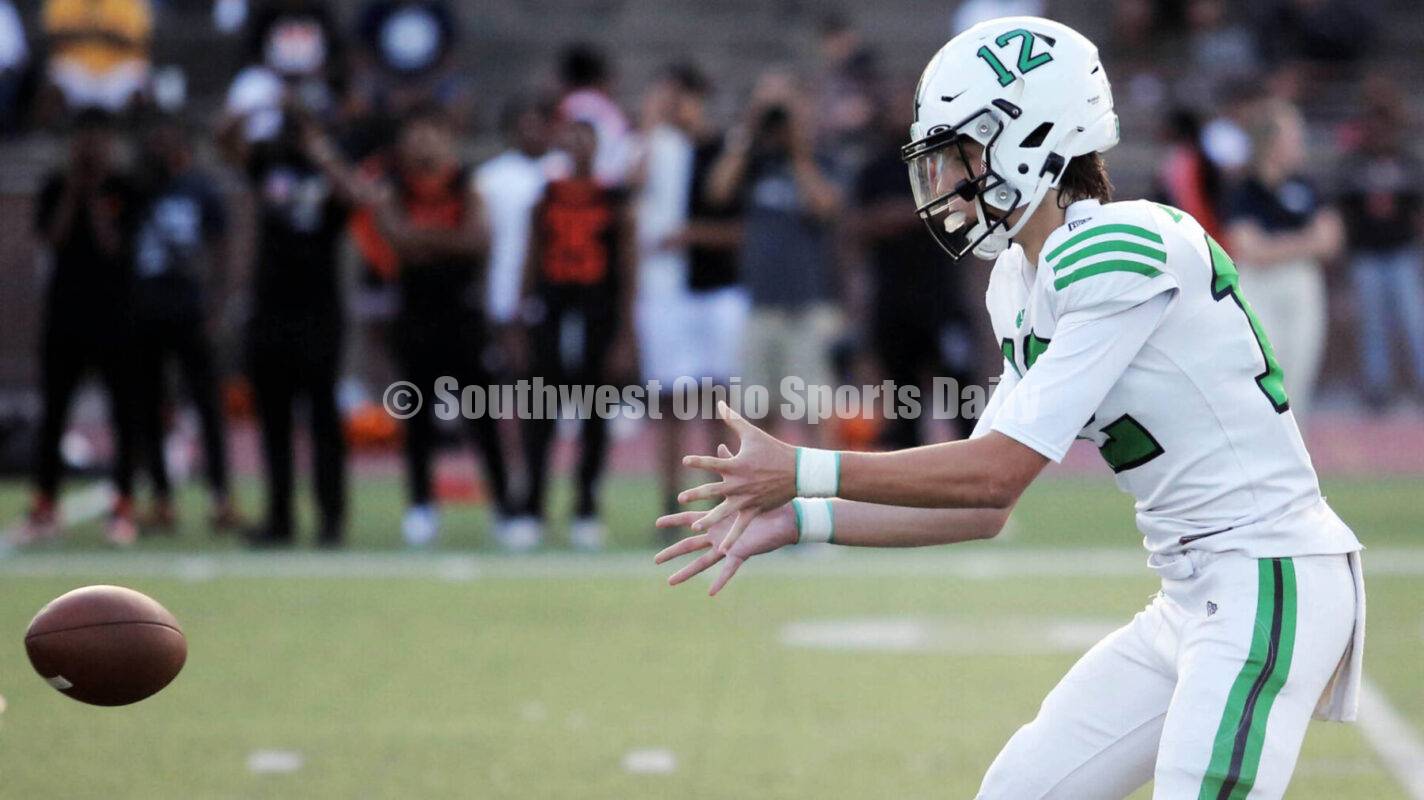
(1124, 324)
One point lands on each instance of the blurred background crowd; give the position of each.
(246, 218)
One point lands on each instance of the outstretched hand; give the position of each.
(759, 478)
(767, 532)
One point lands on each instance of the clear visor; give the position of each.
(935, 175)
(948, 187)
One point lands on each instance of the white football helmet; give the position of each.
(1032, 92)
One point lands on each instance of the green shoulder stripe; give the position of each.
(1111, 246)
(1103, 230)
(1106, 266)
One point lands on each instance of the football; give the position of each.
(106, 645)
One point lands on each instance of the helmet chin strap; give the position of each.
(997, 242)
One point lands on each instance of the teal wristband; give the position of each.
(818, 472)
(815, 520)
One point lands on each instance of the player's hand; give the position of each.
(759, 478)
(770, 531)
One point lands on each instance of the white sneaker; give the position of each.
(420, 526)
(519, 534)
(587, 534)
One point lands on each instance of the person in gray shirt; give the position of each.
(789, 199)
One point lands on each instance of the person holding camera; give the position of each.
(789, 197)
(86, 217)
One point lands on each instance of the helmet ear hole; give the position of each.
(1036, 137)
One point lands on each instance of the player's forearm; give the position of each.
(822, 196)
(872, 525)
(727, 174)
(1256, 248)
(1329, 230)
(713, 234)
(424, 244)
(988, 472)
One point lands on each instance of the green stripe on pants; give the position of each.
(1241, 736)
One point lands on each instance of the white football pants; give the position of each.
(1208, 691)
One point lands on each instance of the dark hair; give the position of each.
(687, 77)
(1085, 178)
(582, 65)
(583, 123)
(1184, 127)
(429, 113)
(515, 109)
(93, 119)
(834, 23)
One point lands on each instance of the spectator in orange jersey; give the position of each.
(426, 227)
(577, 306)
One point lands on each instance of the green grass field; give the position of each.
(463, 673)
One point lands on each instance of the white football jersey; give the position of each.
(1197, 427)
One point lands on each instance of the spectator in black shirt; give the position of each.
(917, 327)
(297, 322)
(86, 216)
(178, 253)
(1381, 203)
(1281, 233)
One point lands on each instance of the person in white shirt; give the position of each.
(511, 185)
(691, 309)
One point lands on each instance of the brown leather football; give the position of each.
(106, 645)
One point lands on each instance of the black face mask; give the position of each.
(937, 155)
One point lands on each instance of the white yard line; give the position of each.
(1397, 742)
(979, 563)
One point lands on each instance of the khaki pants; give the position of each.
(1290, 300)
(784, 343)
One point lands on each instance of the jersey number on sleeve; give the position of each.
(1226, 282)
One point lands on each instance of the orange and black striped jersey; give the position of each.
(578, 224)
